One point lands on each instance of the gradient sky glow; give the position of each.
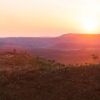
(48, 17)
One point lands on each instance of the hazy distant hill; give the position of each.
(67, 48)
(63, 42)
(78, 41)
(26, 42)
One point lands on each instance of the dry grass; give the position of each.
(70, 83)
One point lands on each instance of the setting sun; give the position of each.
(89, 25)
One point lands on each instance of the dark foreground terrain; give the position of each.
(24, 77)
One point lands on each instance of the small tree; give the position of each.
(95, 57)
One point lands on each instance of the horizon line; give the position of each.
(49, 36)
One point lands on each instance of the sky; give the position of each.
(48, 17)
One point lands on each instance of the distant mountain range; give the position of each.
(63, 42)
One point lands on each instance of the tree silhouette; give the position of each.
(95, 57)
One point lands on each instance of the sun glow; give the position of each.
(48, 17)
(89, 24)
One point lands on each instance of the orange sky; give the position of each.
(48, 17)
